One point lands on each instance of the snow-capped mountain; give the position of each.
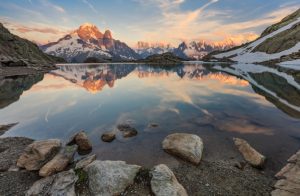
(279, 43)
(88, 41)
(192, 50)
(197, 50)
(145, 49)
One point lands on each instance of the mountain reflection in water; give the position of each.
(216, 102)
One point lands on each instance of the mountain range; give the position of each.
(194, 50)
(88, 41)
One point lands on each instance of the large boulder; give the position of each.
(85, 161)
(186, 146)
(38, 153)
(59, 162)
(61, 184)
(110, 177)
(249, 153)
(164, 182)
(289, 178)
(83, 142)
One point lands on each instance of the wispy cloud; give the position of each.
(53, 6)
(38, 32)
(90, 6)
(204, 23)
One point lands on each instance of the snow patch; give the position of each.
(245, 55)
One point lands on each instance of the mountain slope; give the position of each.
(278, 43)
(15, 51)
(87, 41)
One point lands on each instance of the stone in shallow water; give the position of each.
(4, 128)
(249, 153)
(164, 182)
(38, 153)
(83, 142)
(59, 162)
(186, 146)
(61, 184)
(85, 161)
(108, 136)
(110, 177)
(127, 130)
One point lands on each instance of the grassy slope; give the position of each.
(16, 51)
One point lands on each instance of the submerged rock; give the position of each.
(164, 182)
(59, 162)
(38, 153)
(4, 128)
(61, 184)
(110, 177)
(83, 142)
(153, 125)
(289, 175)
(108, 136)
(85, 161)
(249, 153)
(127, 130)
(186, 146)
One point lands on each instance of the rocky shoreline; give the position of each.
(48, 167)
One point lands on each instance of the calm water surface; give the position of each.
(216, 102)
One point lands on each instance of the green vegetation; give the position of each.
(280, 42)
(167, 58)
(282, 23)
(15, 51)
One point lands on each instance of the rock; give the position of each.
(127, 130)
(108, 136)
(4, 128)
(153, 125)
(83, 142)
(250, 154)
(289, 175)
(129, 133)
(110, 177)
(61, 184)
(164, 182)
(86, 161)
(11, 149)
(59, 162)
(16, 183)
(186, 146)
(38, 153)
(239, 165)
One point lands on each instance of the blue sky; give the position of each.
(167, 21)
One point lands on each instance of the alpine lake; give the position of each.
(213, 100)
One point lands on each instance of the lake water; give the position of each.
(214, 101)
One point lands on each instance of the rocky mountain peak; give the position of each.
(89, 31)
(107, 34)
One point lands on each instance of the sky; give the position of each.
(154, 21)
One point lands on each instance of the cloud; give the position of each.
(53, 6)
(204, 23)
(90, 6)
(34, 31)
